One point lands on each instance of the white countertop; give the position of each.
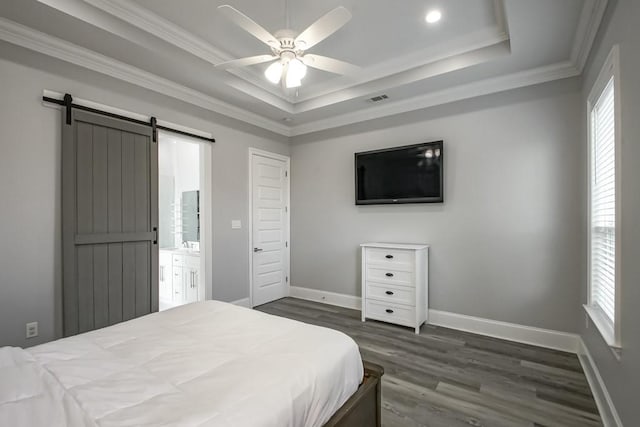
(413, 246)
(181, 251)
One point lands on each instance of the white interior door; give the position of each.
(270, 227)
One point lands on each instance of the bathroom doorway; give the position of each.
(184, 215)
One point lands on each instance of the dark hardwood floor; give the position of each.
(448, 378)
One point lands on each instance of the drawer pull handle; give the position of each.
(389, 274)
(389, 256)
(388, 310)
(389, 293)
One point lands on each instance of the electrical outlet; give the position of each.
(32, 329)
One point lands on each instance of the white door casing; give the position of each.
(202, 269)
(269, 226)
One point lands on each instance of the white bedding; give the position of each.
(203, 364)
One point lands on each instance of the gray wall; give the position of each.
(622, 377)
(30, 185)
(506, 244)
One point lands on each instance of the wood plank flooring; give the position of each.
(448, 378)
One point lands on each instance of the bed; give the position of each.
(202, 364)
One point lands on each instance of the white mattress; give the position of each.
(203, 364)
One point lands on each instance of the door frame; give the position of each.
(205, 288)
(206, 153)
(257, 152)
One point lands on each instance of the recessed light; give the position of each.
(433, 16)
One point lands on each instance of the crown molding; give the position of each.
(439, 66)
(146, 20)
(588, 26)
(153, 23)
(501, 17)
(248, 88)
(29, 38)
(12, 32)
(389, 74)
(520, 79)
(393, 73)
(399, 71)
(113, 15)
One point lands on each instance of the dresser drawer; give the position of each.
(394, 258)
(389, 275)
(391, 294)
(394, 313)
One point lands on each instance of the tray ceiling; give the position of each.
(478, 47)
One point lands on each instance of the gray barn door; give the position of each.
(109, 221)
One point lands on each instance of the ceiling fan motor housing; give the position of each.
(288, 47)
(287, 42)
(287, 55)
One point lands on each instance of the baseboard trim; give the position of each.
(607, 409)
(508, 331)
(244, 302)
(332, 298)
(547, 338)
(571, 343)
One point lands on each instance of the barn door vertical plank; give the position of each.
(84, 221)
(143, 223)
(114, 143)
(128, 225)
(100, 226)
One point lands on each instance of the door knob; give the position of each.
(257, 249)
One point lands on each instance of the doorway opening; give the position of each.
(184, 204)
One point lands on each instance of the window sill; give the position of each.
(605, 328)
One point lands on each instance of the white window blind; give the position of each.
(603, 203)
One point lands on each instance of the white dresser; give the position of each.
(395, 283)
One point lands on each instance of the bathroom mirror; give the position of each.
(191, 216)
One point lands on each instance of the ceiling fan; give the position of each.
(288, 49)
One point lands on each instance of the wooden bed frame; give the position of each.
(363, 409)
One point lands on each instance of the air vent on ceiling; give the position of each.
(378, 98)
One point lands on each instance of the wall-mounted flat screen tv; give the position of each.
(409, 174)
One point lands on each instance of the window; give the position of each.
(604, 140)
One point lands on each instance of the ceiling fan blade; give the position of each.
(249, 25)
(329, 64)
(243, 62)
(323, 28)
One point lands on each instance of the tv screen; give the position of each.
(410, 174)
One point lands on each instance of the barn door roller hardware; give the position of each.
(67, 103)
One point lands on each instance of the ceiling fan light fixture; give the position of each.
(433, 16)
(273, 73)
(294, 73)
(288, 47)
(297, 70)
